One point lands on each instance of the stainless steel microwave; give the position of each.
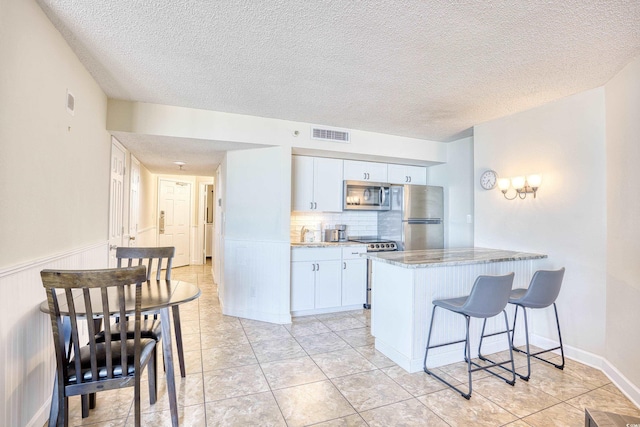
(366, 196)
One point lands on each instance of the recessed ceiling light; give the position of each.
(179, 163)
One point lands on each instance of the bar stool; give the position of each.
(488, 298)
(541, 293)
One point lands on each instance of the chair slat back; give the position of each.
(139, 256)
(90, 294)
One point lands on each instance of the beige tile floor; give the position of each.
(323, 371)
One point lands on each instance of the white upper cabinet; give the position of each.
(404, 174)
(316, 184)
(365, 171)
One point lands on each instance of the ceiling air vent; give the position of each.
(332, 135)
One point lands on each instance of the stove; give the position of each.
(375, 244)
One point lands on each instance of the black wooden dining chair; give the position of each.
(154, 258)
(83, 295)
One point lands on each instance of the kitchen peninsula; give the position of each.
(404, 284)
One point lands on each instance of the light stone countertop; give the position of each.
(295, 245)
(448, 257)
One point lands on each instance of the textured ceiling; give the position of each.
(423, 69)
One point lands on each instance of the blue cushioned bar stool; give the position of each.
(488, 298)
(541, 293)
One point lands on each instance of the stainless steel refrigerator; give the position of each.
(415, 220)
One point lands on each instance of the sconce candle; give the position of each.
(534, 180)
(518, 182)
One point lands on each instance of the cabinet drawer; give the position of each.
(353, 252)
(315, 254)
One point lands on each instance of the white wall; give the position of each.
(155, 119)
(54, 167)
(257, 206)
(54, 182)
(456, 177)
(622, 95)
(564, 141)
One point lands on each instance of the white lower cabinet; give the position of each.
(328, 284)
(303, 285)
(327, 279)
(354, 276)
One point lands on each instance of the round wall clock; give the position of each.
(489, 179)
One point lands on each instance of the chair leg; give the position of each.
(426, 353)
(555, 309)
(497, 364)
(136, 398)
(63, 412)
(152, 375)
(178, 331)
(509, 340)
(528, 349)
(84, 399)
(55, 405)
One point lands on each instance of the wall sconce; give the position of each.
(521, 184)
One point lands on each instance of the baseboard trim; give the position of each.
(280, 319)
(41, 417)
(631, 391)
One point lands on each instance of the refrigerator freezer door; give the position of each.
(423, 235)
(423, 201)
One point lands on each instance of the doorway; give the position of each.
(209, 215)
(174, 218)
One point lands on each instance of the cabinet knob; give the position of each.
(344, 265)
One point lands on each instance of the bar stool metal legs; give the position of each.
(528, 350)
(541, 293)
(487, 299)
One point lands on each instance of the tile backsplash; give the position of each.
(358, 223)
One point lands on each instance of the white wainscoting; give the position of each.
(256, 281)
(27, 361)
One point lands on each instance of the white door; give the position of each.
(116, 199)
(174, 203)
(134, 201)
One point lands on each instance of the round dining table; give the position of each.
(157, 297)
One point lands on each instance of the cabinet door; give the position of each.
(417, 175)
(302, 183)
(302, 285)
(365, 171)
(327, 185)
(397, 174)
(328, 284)
(404, 174)
(354, 281)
